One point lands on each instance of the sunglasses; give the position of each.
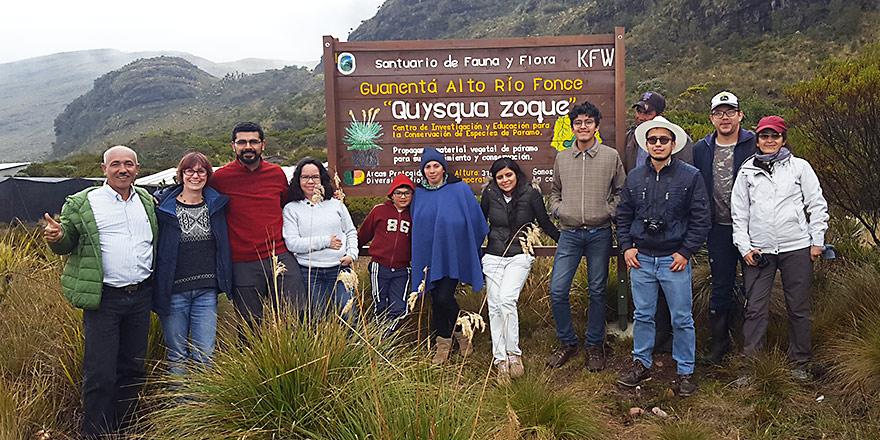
(662, 140)
(766, 136)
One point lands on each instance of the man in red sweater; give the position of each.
(257, 191)
(388, 227)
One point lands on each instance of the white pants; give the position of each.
(505, 277)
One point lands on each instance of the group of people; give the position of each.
(246, 231)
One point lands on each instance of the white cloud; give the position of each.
(220, 30)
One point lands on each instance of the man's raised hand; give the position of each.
(52, 232)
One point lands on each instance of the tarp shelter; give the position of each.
(27, 198)
(10, 169)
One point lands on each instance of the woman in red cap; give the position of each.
(387, 227)
(779, 222)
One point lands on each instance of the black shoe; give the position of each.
(595, 358)
(636, 375)
(687, 386)
(561, 355)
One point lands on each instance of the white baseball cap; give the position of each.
(725, 98)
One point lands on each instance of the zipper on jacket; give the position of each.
(396, 235)
(583, 182)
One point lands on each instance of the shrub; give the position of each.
(855, 354)
(531, 409)
(835, 111)
(315, 380)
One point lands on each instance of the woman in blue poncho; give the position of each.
(448, 230)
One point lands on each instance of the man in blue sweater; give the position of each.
(719, 157)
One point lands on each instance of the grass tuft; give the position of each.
(682, 430)
(855, 356)
(537, 410)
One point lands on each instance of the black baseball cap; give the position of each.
(651, 101)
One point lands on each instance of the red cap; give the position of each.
(401, 180)
(775, 123)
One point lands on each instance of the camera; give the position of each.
(760, 260)
(654, 225)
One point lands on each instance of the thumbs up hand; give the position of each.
(52, 232)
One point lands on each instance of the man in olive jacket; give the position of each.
(108, 233)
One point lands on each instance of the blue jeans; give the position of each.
(646, 281)
(324, 290)
(595, 244)
(192, 315)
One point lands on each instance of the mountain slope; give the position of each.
(169, 94)
(687, 49)
(34, 91)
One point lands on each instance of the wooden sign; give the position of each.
(473, 100)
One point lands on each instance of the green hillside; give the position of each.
(34, 91)
(687, 49)
(166, 105)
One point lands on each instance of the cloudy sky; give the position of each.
(220, 30)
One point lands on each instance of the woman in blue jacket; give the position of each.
(193, 264)
(448, 230)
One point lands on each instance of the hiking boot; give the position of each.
(502, 370)
(636, 375)
(444, 346)
(800, 373)
(561, 355)
(595, 355)
(464, 344)
(719, 328)
(517, 369)
(687, 386)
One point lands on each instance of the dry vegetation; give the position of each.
(331, 381)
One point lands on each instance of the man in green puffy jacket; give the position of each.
(108, 233)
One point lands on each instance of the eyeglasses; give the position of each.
(766, 136)
(251, 142)
(583, 123)
(316, 177)
(662, 140)
(729, 113)
(189, 172)
(402, 193)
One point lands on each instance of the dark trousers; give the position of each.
(113, 360)
(253, 283)
(723, 258)
(444, 307)
(797, 273)
(390, 289)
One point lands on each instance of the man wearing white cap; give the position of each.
(719, 157)
(662, 220)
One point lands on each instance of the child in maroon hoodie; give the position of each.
(388, 226)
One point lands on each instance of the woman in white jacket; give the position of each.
(779, 222)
